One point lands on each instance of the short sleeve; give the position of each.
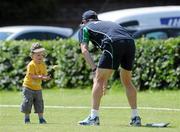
(83, 35)
(30, 69)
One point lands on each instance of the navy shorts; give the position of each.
(120, 52)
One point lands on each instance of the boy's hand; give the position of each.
(46, 77)
(52, 70)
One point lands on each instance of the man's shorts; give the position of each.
(120, 52)
(32, 97)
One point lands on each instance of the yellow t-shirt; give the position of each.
(34, 69)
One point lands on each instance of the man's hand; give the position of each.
(94, 72)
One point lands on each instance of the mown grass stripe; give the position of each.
(102, 107)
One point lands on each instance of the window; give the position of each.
(156, 35)
(39, 36)
(130, 24)
(4, 35)
(177, 33)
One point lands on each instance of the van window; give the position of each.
(177, 33)
(156, 35)
(130, 23)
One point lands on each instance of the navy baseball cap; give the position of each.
(90, 14)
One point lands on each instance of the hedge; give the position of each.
(157, 64)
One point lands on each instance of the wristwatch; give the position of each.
(93, 70)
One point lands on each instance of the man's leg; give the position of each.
(99, 82)
(130, 88)
(126, 78)
(101, 78)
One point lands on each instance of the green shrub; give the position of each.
(157, 64)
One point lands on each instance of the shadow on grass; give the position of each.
(142, 126)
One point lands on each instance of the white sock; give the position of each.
(94, 113)
(134, 112)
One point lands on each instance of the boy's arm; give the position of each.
(42, 77)
(45, 76)
(35, 76)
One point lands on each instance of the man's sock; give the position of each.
(134, 113)
(94, 113)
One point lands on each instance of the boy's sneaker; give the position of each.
(90, 121)
(136, 121)
(42, 121)
(27, 121)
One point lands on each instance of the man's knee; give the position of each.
(125, 77)
(99, 81)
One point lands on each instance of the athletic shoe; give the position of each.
(136, 121)
(42, 121)
(90, 121)
(27, 121)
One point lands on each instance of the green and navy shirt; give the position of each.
(100, 32)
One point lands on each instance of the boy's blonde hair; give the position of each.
(36, 47)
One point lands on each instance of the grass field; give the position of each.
(64, 119)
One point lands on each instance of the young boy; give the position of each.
(32, 90)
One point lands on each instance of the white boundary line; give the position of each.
(102, 107)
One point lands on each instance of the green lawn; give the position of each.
(112, 120)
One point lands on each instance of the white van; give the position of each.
(139, 17)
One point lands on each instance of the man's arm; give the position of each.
(87, 56)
